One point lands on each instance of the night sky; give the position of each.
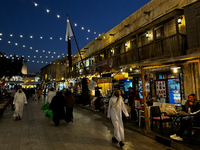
(22, 17)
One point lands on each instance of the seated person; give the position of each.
(157, 99)
(192, 104)
(192, 118)
(149, 100)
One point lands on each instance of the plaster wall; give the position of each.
(191, 79)
(135, 21)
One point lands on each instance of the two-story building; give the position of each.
(153, 37)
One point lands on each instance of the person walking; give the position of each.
(115, 109)
(35, 94)
(131, 102)
(19, 102)
(69, 103)
(39, 92)
(13, 95)
(57, 107)
(50, 95)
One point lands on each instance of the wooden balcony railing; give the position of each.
(166, 47)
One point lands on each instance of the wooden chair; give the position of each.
(156, 116)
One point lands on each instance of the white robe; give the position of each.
(50, 96)
(115, 113)
(19, 101)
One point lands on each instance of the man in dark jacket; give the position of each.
(192, 104)
(57, 107)
(131, 102)
(69, 103)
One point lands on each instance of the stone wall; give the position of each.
(191, 79)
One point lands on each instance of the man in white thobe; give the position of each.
(19, 102)
(50, 95)
(115, 109)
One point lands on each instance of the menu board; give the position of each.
(161, 88)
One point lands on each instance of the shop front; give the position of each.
(168, 84)
(137, 82)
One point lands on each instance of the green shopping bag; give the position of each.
(48, 113)
(45, 106)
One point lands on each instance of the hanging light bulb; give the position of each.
(49, 52)
(87, 38)
(51, 56)
(51, 38)
(37, 61)
(47, 10)
(31, 48)
(35, 4)
(21, 36)
(54, 52)
(10, 55)
(62, 53)
(11, 35)
(31, 36)
(46, 56)
(43, 50)
(23, 45)
(33, 61)
(88, 30)
(16, 55)
(34, 56)
(46, 62)
(28, 56)
(82, 28)
(36, 50)
(58, 16)
(99, 34)
(40, 56)
(8, 41)
(41, 37)
(60, 38)
(41, 61)
(75, 24)
(16, 43)
(1, 34)
(95, 33)
(28, 60)
(0, 39)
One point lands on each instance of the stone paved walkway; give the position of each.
(88, 132)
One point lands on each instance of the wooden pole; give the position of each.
(77, 46)
(144, 99)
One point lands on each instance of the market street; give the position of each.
(88, 131)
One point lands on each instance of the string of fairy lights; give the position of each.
(74, 24)
(28, 58)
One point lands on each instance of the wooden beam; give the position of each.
(144, 99)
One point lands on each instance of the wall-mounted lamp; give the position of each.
(121, 70)
(180, 19)
(147, 34)
(131, 69)
(126, 45)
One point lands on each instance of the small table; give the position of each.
(176, 119)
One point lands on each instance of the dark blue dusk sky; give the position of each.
(22, 17)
